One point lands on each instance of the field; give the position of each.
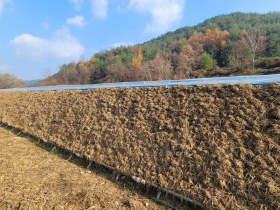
(32, 178)
(216, 144)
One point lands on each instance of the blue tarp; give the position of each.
(254, 80)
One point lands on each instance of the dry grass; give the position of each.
(32, 178)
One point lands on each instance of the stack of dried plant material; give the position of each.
(216, 144)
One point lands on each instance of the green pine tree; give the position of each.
(207, 62)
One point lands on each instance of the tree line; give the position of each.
(178, 60)
(235, 40)
(234, 23)
(10, 81)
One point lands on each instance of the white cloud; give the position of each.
(164, 12)
(77, 4)
(2, 2)
(46, 25)
(62, 45)
(99, 8)
(121, 44)
(77, 20)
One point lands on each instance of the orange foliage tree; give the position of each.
(185, 63)
(137, 60)
(93, 58)
(215, 37)
(196, 41)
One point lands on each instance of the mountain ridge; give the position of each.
(188, 52)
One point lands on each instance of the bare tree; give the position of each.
(116, 72)
(46, 73)
(83, 74)
(147, 71)
(162, 67)
(185, 66)
(254, 41)
(238, 55)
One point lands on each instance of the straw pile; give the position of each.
(33, 179)
(217, 144)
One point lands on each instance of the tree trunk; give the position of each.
(253, 62)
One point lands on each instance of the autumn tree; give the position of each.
(49, 79)
(185, 63)
(116, 72)
(172, 46)
(73, 64)
(254, 41)
(93, 58)
(10, 81)
(215, 37)
(83, 74)
(137, 60)
(179, 44)
(62, 75)
(72, 75)
(67, 74)
(196, 41)
(82, 59)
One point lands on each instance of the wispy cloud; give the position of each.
(121, 7)
(62, 45)
(77, 20)
(99, 8)
(5, 68)
(45, 25)
(77, 4)
(2, 3)
(91, 49)
(164, 13)
(121, 44)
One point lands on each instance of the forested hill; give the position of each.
(234, 23)
(206, 49)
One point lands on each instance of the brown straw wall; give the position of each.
(216, 144)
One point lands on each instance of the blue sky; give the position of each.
(35, 35)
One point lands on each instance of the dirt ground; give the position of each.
(32, 178)
(216, 144)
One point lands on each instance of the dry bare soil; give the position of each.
(216, 144)
(32, 178)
